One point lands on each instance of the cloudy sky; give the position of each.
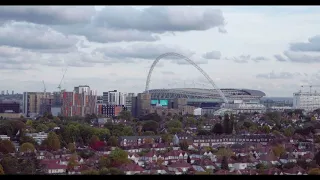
(273, 49)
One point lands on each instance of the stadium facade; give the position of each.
(203, 97)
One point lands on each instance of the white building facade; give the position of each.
(245, 107)
(308, 101)
(114, 98)
(38, 137)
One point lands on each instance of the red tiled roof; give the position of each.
(207, 162)
(175, 153)
(134, 154)
(151, 154)
(131, 167)
(180, 164)
(222, 172)
(55, 166)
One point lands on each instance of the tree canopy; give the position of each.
(27, 147)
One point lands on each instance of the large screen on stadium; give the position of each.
(154, 101)
(161, 102)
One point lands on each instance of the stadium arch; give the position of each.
(190, 62)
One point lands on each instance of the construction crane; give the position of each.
(44, 89)
(310, 86)
(64, 73)
(44, 99)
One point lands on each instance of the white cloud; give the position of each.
(118, 44)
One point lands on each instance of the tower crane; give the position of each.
(310, 86)
(44, 89)
(64, 73)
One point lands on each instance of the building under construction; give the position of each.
(307, 100)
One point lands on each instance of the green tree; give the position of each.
(150, 126)
(102, 133)
(27, 166)
(278, 150)
(174, 124)
(275, 132)
(125, 115)
(9, 164)
(90, 172)
(104, 171)
(127, 131)
(148, 133)
(191, 121)
(274, 116)
(86, 133)
(51, 125)
(27, 147)
(167, 138)
(53, 141)
(253, 129)
(217, 129)
(226, 124)
(27, 139)
(184, 145)
(94, 139)
(119, 156)
(56, 119)
(29, 122)
(6, 146)
(173, 130)
(72, 147)
(289, 131)
(104, 162)
(224, 163)
(266, 129)
(1, 170)
(113, 141)
(72, 162)
(71, 133)
(314, 171)
(115, 171)
(41, 128)
(225, 152)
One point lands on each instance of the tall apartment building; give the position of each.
(114, 98)
(129, 102)
(79, 102)
(100, 99)
(141, 104)
(32, 103)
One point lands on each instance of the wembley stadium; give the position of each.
(197, 96)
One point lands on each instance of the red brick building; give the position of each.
(80, 102)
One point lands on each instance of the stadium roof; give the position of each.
(206, 95)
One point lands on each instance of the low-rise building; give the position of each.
(38, 137)
(4, 137)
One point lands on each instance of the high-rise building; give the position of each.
(308, 101)
(32, 103)
(114, 98)
(79, 102)
(141, 104)
(99, 99)
(128, 104)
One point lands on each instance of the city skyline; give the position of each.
(272, 49)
